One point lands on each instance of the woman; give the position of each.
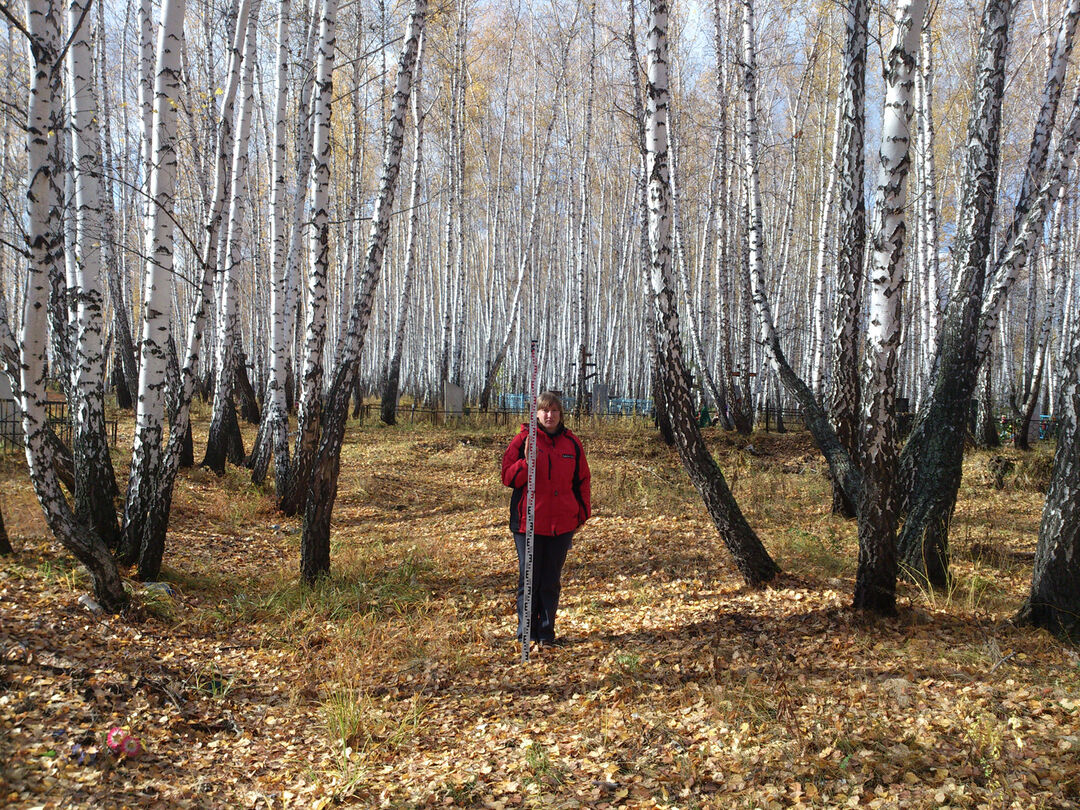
(562, 505)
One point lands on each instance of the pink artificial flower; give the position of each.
(115, 739)
(131, 746)
(121, 741)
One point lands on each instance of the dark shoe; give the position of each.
(553, 642)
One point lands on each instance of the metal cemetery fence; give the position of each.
(11, 432)
(617, 406)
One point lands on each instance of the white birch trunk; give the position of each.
(817, 374)
(1015, 257)
(582, 326)
(310, 403)
(748, 553)
(931, 460)
(157, 305)
(461, 299)
(146, 451)
(145, 24)
(42, 221)
(223, 421)
(875, 584)
(95, 481)
(276, 411)
(393, 375)
(937, 292)
(315, 543)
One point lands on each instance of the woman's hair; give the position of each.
(547, 399)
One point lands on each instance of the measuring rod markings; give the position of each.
(527, 607)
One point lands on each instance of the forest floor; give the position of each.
(397, 682)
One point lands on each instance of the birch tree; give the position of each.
(725, 289)
(1054, 600)
(842, 467)
(276, 411)
(935, 290)
(310, 405)
(223, 421)
(875, 579)
(315, 541)
(931, 460)
(42, 245)
(124, 345)
(146, 514)
(750, 556)
(157, 303)
(582, 324)
(851, 240)
(393, 374)
(95, 481)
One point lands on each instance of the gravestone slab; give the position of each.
(600, 398)
(453, 400)
(10, 425)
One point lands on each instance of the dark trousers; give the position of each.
(549, 554)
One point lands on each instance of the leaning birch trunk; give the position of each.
(95, 481)
(851, 242)
(875, 578)
(223, 422)
(42, 220)
(310, 406)
(276, 415)
(841, 466)
(749, 555)
(315, 542)
(1054, 601)
(393, 374)
(157, 304)
(933, 456)
(931, 462)
(1028, 230)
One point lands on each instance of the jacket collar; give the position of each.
(559, 431)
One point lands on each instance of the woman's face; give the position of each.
(549, 417)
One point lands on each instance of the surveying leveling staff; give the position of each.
(562, 505)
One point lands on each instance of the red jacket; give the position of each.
(562, 482)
